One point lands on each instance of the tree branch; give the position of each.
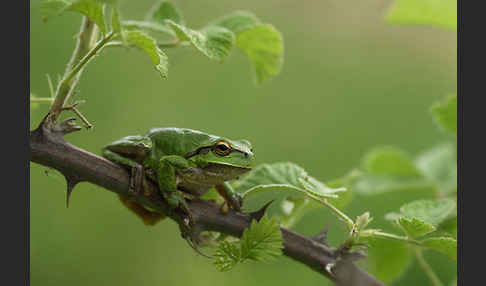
(48, 148)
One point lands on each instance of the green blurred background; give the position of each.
(349, 82)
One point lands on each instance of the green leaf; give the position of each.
(446, 245)
(439, 13)
(92, 9)
(439, 165)
(261, 242)
(448, 227)
(149, 46)
(390, 161)
(213, 41)
(445, 114)
(287, 185)
(415, 227)
(389, 169)
(263, 45)
(255, 198)
(237, 21)
(227, 256)
(421, 217)
(166, 11)
(51, 8)
(388, 260)
(430, 211)
(147, 26)
(374, 185)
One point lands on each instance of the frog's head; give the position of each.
(225, 153)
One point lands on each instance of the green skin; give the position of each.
(183, 159)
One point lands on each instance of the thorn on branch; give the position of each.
(321, 237)
(71, 181)
(260, 213)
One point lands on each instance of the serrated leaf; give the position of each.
(387, 260)
(430, 211)
(51, 8)
(414, 227)
(287, 185)
(262, 241)
(390, 161)
(439, 165)
(166, 11)
(445, 114)
(446, 245)
(237, 21)
(227, 256)
(92, 9)
(213, 41)
(263, 45)
(424, 12)
(149, 46)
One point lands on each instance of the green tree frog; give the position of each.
(181, 161)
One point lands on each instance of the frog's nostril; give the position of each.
(246, 155)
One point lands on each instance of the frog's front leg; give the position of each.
(167, 180)
(230, 196)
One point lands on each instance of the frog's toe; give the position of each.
(136, 178)
(176, 200)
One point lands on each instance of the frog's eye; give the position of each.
(222, 148)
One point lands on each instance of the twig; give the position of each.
(48, 148)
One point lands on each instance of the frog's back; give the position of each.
(178, 141)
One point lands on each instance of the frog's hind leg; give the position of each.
(136, 175)
(148, 217)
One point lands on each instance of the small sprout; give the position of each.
(363, 220)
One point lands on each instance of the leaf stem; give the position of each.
(41, 99)
(87, 58)
(426, 267)
(349, 222)
(85, 50)
(395, 237)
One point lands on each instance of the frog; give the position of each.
(185, 163)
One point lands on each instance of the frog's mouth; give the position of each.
(226, 172)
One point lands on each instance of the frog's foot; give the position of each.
(136, 184)
(148, 217)
(176, 200)
(232, 199)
